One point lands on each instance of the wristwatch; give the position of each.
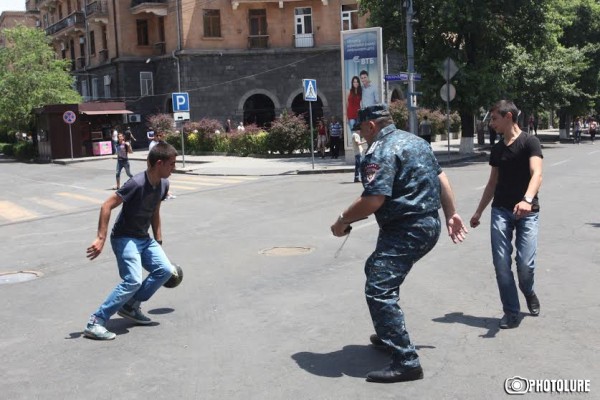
(528, 200)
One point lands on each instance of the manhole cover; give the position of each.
(18, 276)
(286, 251)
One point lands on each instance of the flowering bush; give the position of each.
(287, 133)
(161, 122)
(253, 140)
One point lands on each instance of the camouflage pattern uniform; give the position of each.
(403, 168)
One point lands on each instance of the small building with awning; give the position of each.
(89, 134)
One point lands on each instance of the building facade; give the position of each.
(242, 60)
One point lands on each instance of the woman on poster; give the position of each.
(353, 103)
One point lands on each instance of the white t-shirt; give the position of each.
(356, 144)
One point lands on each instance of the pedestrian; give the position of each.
(321, 137)
(133, 247)
(404, 187)
(150, 134)
(335, 137)
(425, 129)
(115, 139)
(353, 101)
(493, 134)
(358, 152)
(530, 127)
(577, 127)
(129, 137)
(156, 139)
(123, 150)
(228, 127)
(513, 185)
(240, 127)
(536, 122)
(593, 129)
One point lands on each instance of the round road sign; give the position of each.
(69, 117)
(448, 93)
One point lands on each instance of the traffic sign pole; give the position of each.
(71, 139)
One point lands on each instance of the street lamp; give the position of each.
(410, 57)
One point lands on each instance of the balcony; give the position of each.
(258, 41)
(236, 3)
(159, 48)
(80, 63)
(103, 55)
(304, 40)
(74, 22)
(97, 11)
(156, 7)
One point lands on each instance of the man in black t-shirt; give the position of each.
(514, 182)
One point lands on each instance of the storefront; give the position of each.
(89, 135)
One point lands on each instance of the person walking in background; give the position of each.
(369, 95)
(123, 150)
(577, 127)
(129, 137)
(536, 121)
(404, 187)
(593, 129)
(133, 247)
(321, 137)
(115, 139)
(492, 133)
(156, 139)
(513, 185)
(358, 152)
(530, 126)
(425, 129)
(353, 102)
(335, 137)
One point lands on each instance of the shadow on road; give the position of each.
(491, 324)
(352, 360)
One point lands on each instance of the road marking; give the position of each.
(560, 162)
(55, 205)
(14, 212)
(190, 179)
(593, 152)
(480, 187)
(81, 197)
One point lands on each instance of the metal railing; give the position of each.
(97, 8)
(258, 41)
(135, 3)
(304, 40)
(76, 19)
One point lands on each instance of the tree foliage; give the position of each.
(31, 76)
(541, 53)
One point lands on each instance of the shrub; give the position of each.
(287, 133)
(221, 143)
(24, 150)
(7, 149)
(251, 141)
(161, 122)
(399, 113)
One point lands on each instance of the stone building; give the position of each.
(238, 59)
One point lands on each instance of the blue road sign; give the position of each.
(69, 117)
(402, 76)
(181, 102)
(310, 89)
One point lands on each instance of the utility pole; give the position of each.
(410, 56)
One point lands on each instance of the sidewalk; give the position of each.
(287, 165)
(299, 164)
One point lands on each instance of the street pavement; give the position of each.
(266, 311)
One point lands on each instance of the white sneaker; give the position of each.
(98, 332)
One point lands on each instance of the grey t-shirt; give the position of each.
(140, 199)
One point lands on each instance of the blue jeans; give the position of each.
(503, 224)
(133, 254)
(356, 166)
(398, 249)
(123, 163)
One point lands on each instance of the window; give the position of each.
(94, 88)
(60, 11)
(84, 89)
(69, 8)
(81, 46)
(142, 32)
(146, 84)
(349, 17)
(258, 29)
(107, 89)
(92, 43)
(303, 20)
(212, 23)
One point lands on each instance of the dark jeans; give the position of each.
(398, 248)
(356, 166)
(335, 146)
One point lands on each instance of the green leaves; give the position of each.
(31, 76)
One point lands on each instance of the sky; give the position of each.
(12, 5)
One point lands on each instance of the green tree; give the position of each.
(31, 76)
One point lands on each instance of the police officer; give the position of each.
(404, 187)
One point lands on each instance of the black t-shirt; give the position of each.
(140, 199)
(513, 169)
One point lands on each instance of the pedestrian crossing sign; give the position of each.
(310, 89)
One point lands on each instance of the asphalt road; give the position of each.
(248, 325)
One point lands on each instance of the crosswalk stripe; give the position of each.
(212, 179)
(55, 205)
(14, 212)
(81, 197)
(183, 187)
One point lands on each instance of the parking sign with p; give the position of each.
(181, 102)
